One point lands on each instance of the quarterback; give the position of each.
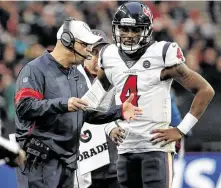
(137, 64)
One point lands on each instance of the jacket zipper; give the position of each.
(76, 77)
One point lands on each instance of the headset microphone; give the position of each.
(88, 57)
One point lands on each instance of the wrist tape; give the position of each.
(187, 123)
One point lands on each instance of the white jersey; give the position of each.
(150, 93)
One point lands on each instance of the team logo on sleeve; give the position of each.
(179, 54)
(146, 64)
(86, 136)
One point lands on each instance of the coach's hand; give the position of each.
(167, 135)
(117, 135)
(75, 104)
(19, 160)
(21, 157)
(130, 111)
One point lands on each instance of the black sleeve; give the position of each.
(29, 98)
(113, 114)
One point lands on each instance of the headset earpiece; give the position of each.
(67, 38)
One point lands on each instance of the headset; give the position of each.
(67, 38)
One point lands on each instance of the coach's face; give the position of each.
(81, 48)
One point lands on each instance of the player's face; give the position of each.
(130, 36)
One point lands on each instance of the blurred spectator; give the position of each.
(46, 29)
(208, 64)
(162, 22)
(177, 13)
(8, 83)
(9, 56)
(180, 36)
(4, 17)
(217, 75)
(32, 52)
(192, 62)
(214, 8)
(71, 10)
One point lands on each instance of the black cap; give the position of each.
(100, 33)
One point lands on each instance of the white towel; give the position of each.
(82, 71)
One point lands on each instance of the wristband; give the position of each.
(187, 123)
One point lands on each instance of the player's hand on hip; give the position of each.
(129, 110)
(117, 135)
(75, 104)
(166, 135)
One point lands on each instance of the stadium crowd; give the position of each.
(28, 28)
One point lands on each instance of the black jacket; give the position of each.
(43, 88)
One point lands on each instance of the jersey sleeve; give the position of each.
(174, 55)
(100, 63)
(100, 58)
(103, 64)
(29, 96)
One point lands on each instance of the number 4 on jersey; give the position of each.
(130, 86)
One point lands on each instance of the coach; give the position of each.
(50, 113)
